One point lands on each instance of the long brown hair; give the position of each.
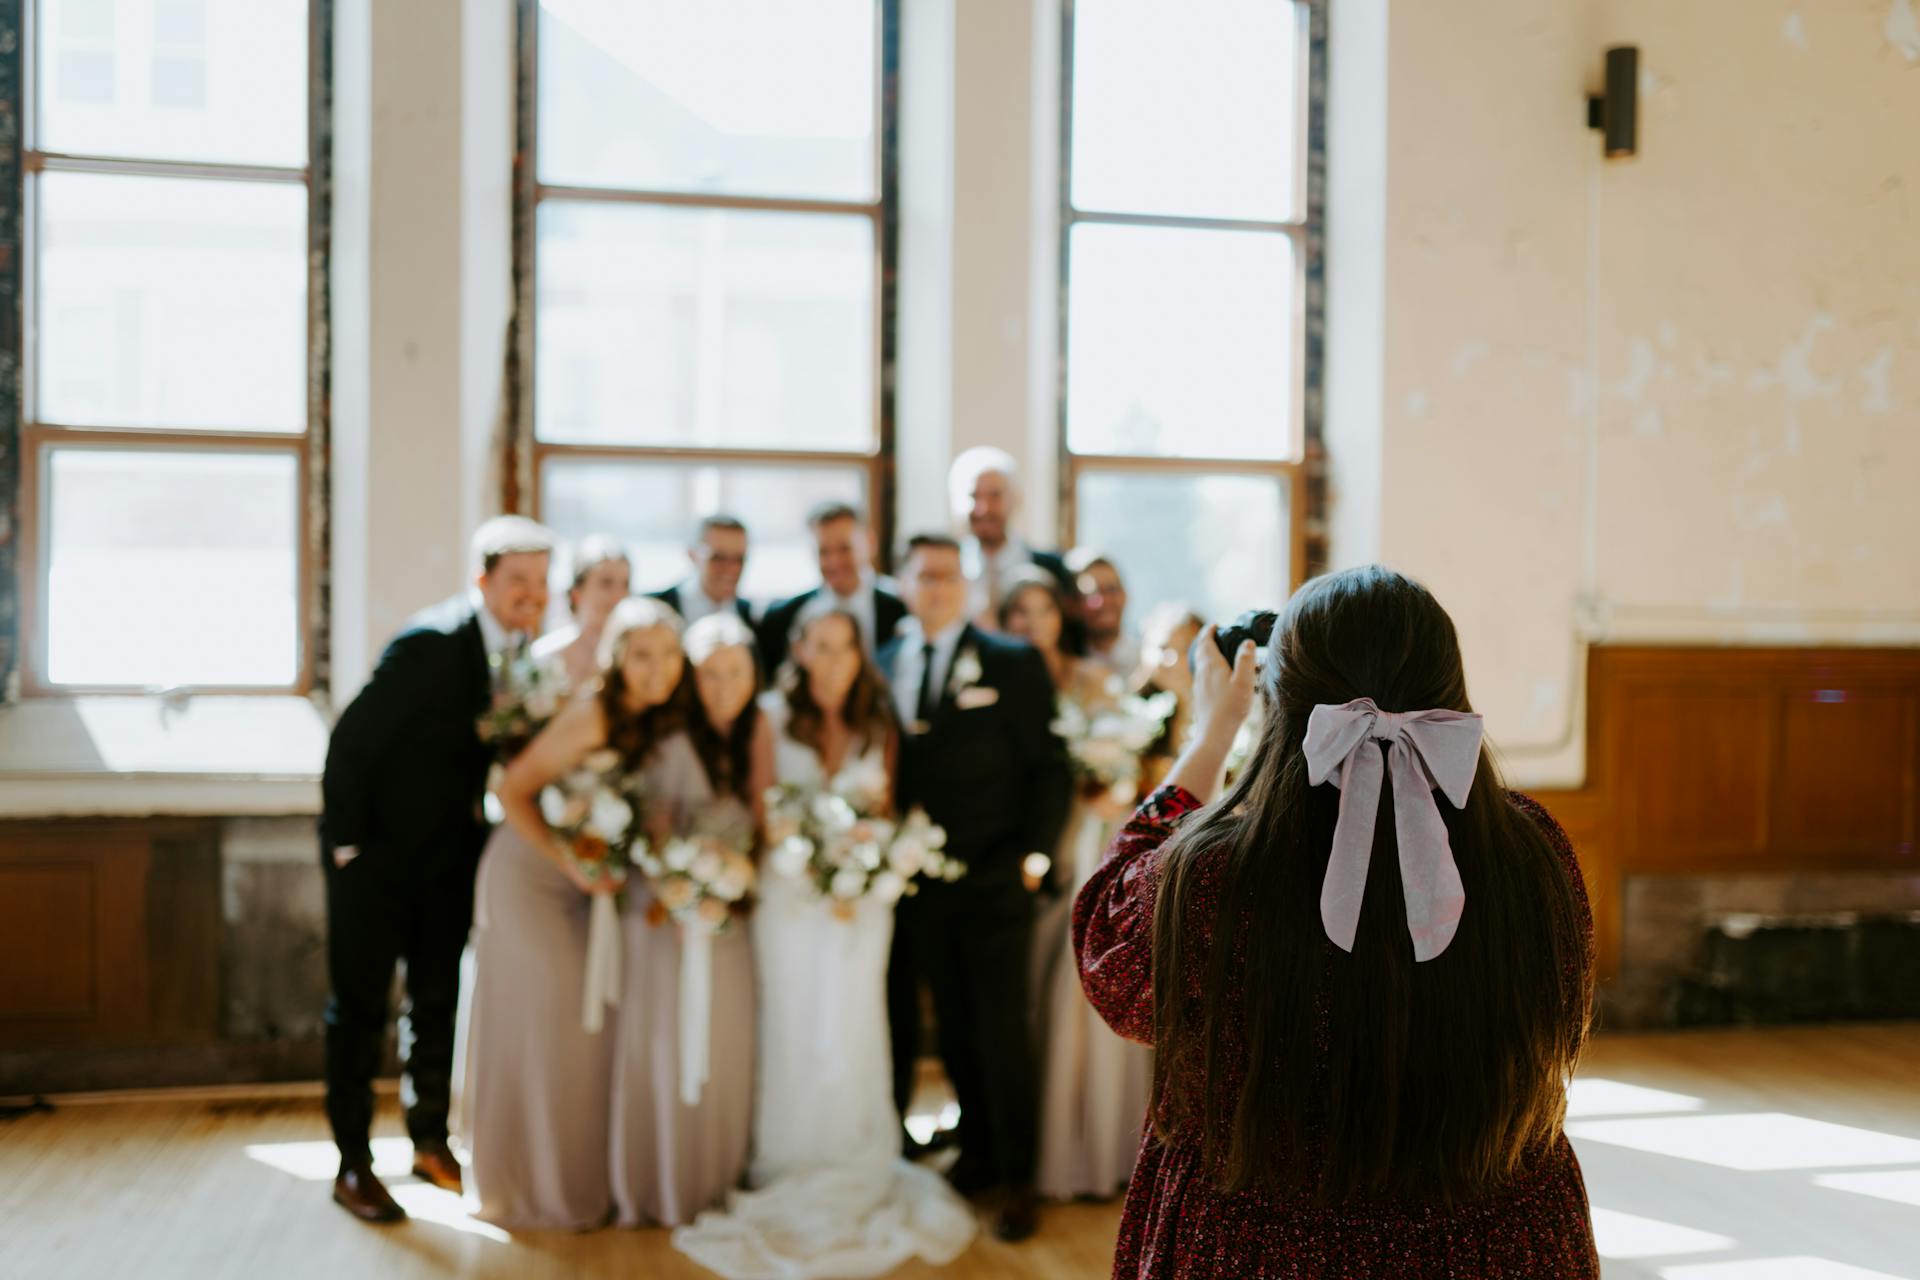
(869, 709)
(1362, 1076)
(635, 736)
(727, 757)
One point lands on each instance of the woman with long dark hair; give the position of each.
(538, 1084)
(831, 1195)
(1366, 970)
(679, 1147)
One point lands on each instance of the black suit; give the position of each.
(776, 628)
(672, 596)
(996, 778)
(405, 776)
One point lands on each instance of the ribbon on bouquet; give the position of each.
(696, 1007)
(602, 985)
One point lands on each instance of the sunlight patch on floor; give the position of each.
(320, 1161)
(1902, 1186)
(1592, 1096)
(1626, 1235)
(1796, 1268)
(1761, 1141)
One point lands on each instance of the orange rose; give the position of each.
(590, 848)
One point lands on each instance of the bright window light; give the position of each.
(1592, 1096)
(1761, 1141)
(1902, 1186)
(1626, 1235)
(1795, 1268)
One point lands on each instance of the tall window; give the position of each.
(166, 405)
(710, 252)
(1184, 241)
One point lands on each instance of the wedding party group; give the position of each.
(721, 868)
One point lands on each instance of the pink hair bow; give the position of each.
(1426, 750)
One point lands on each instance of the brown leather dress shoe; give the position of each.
(433, 1162)
(361, 1194)
(1019, 1216)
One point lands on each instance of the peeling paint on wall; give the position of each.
(1877, 373)
(1795, 30)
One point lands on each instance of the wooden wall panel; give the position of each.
(1698, 764)
(75, 962)
(1720, 761)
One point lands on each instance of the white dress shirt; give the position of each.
(696, 604)
(988, 573)
(861, 605)
(911, 668)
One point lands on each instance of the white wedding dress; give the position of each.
(832, 1196)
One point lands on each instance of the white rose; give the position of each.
(791, 855)
(907, 856)
(707, 866)
(867, 855)
(611, 815)
(848, 884)
(553, 806)
(680, 854)
(888, 887)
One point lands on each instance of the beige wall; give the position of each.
(1672, 398)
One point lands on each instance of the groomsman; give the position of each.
(400, 837)
(984, 488)
(846, 575)
(1103, 611)
(978, 754)
(719, 557)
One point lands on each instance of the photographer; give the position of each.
(1367, 998)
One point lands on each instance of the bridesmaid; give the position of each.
(1094, 1086)
(602, 578)
(537, 1083)
(671, 1160)
(1165, 640)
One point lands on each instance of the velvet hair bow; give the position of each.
(1426, 751)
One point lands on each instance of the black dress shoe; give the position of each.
(434, 1162)
(1019, 1217)
(364, 1196)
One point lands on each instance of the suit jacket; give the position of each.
(405, 768)
(776, 628)
(672, 596)
(992, 773)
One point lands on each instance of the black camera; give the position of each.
(1255, 625)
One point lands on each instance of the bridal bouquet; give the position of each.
(1105, 743)
(595, 813)
(833, 838)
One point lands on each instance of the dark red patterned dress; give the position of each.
(1177, 1225)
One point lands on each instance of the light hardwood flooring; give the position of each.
(1747, 1155)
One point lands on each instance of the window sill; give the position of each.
(133, 756)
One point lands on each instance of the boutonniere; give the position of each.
(966, 669)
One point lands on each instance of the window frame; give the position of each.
(36, 439)
(1301, 469)
(527, 452)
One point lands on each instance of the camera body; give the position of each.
(1255, 625)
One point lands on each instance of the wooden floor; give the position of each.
(1709, 1156)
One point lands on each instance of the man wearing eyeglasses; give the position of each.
(719, 556)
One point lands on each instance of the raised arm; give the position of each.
(567, 740)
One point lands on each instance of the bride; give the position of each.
(832, 1195)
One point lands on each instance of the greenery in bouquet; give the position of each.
(596, 812)
(834, 839)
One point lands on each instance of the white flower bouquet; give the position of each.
(596, 813)
(833, 839)
(1105, 742)
(698, 880)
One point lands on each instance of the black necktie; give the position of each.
(929, 691)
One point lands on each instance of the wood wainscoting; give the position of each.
(1716, 761)
(109, 934)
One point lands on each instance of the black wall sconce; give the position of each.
(1616, 111)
